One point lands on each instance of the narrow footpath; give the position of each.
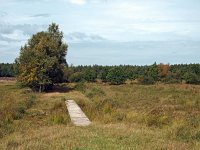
(77, 116)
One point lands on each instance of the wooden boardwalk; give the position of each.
(76, 114)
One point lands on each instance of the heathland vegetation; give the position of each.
(128, 116)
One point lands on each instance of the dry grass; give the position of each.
(125, 117)
(112, 136)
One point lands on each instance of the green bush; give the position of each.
(102, 75)
(89, 75)
(191, 78)
(76, 77)
(116, 76)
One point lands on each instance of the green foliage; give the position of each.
(76, 77)
(144, 74)
(103, 74)
(89, 75)
(187, 73)
(152, 72)
(7, 70)
(191, 78)
(116, 76)
(67, 73)
(42, 59)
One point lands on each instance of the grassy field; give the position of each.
(124, 117)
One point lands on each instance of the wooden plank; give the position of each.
(76, 114)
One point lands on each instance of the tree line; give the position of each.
(149, 74)
(7, 70)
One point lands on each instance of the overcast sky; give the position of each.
(107, 32)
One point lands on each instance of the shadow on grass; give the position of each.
(60, 89)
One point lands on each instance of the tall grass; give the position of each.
(154, 106)
(128, 116)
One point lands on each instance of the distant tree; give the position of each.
(76, 77)
(89, 75)
(152, 72)
(42, 59)
(103, 74)
(144, 74)
(7, 70)
(191, 78)
(163, 70)
(68, 71)
(116, 76)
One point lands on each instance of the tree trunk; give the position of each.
(40, 89)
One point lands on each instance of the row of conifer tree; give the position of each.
(149, 74)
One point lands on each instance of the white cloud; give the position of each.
(82, 37)
(78, 2)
